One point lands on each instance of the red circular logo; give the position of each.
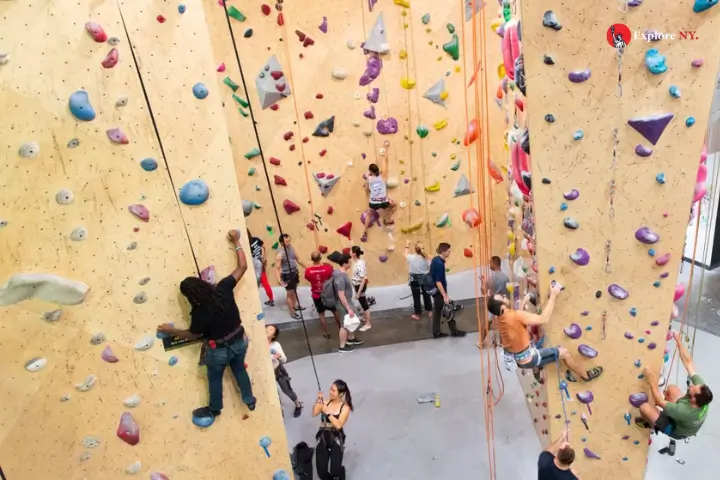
(619, 35)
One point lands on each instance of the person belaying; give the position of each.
(418, 267)
(330, 437)
(337, 293)
(438, 288)
(376, 186)
(258, 251)
(360, 281)
(317, 274)
(515, 337)
(497, 285)
(277, 355)
(555, 462)
(286, 269)
(216, 319)
(676, 415)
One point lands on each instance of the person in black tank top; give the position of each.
(554, 463)
(330, 437)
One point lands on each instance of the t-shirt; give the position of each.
(256, 247)
(498, 283)
(377, 188)
(288, 263)
(275, 347)
(513, 333)
(547, 470)
(212, 326)
(317, 275)
(359, 272)
(437, 271)
(417, 264)
(687, 418)
(342, 284)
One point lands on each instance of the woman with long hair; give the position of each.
(360, 281)
(419, 267)
(376, 186)
(331, 435)
(277, 355)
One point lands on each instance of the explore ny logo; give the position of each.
(620, 35)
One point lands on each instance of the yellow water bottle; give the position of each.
(437, 401)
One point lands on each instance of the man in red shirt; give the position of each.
(317, 274)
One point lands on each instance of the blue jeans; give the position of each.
(216, 360)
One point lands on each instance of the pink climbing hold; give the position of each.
(697, 63)
(290, 207)
(96, 32)
(208, 275)
(221, 67)
(345, 229)
(111, 58)
(280, 181)
(265, 9)
(370, 113)
(158, 476)
(679, 291)
(108, 355)
(140, 211)
(274, 161)
(128, 430)
(662, 260)
(117, 136)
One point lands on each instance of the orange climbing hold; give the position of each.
(310, 226)
(468, 253)
(280, 181)
(280, 19)
(345, 230)
(495, 172)
(471, 217)
(473, 130)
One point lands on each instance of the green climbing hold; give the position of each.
(452, 47)
(252, 153)
(456, 166)
(241, 101)
(234, 86)
(426, 19)
(507, 13)
(434, 154)
(257, 206)
(251, 172)
(275, 245)
(443, 221)
(257, 188)
(422, 131)
(451, 28)
(236, 14)
(243, 112)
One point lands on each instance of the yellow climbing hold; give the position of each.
(412, 228)
(430, 42)
(401, 162)
(439, 125)
(444, 95)
(402, 172)
(510, 235)
(453, 156)
(406, 83)
(496, 24)
(428, 29)
(457, 69)
(435, 187)
(454, 139)
(403, 54)
(501, 71)
(511, 249)
(403, 3)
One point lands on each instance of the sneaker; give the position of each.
(415, 317)
(296, 316)
(297, 412)
(299, 308)
(458, 333)
(365, 328)
(354, 342)
(440, 335)
(270, 303)
(345, 349)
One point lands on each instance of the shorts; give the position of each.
(539, 357)
(320, 306)
(291, 280)
(666, 426)
(362, 299)
(379, 206)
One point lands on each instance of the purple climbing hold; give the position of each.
(383, 258)
(647, 236)
(373, 66)
(387, 126)
(323, 25)
(571, 195)
(587, 351)
(580, 257)
(370, 113)
(140, 211)
(573, 331)
(637, 399)
(371, 4)
(584, 313)
(108, 355)
(579, 76)
(654, 323)
(585, 397)
(373, 95)
(616, 291)
(375, 217)
(634, 3)
(590, 454)
(652, 346)
(629, 335)
(643, 151)
(117, 136)
(664, 275)
(652, 127)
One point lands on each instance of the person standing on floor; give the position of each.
(317, 274)
(288, 274)
(259, 256)
(277, 355)
(337, 293)
(441, 299)
(330, 437)
(360, 281)
(419, 267)
(215, 318)
(496, 286)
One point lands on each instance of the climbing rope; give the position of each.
(267, 177)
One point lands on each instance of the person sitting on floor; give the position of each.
(513, 327)
(681, 416)
(554, 463)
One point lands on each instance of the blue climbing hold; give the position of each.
(638, 363)
(149, 164)
(203, 422)
(181, 8)
(261, 315)
(674, 91)
(588, 328)
(578, 135)
(657, 284)
(200, 91)
(563, 206)
(194, 192)
(281, 475)
(666, 357)
(172, 361)
(660, 178)
(690, 121)
(655, 62)
(633, 311)
(651, 252)
(80, 107)
(702, 5)
(161, 335)
(551, 270)
(641, 340)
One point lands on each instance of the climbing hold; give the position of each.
(133, 469)
(370, 113)
(140, 298)
(571, 195)
(472, 132)
(674, 91)
(421, 130)
(117, 136)
(108, 355)
(339, 73)
(323, 25)
(462, 187)
(149, 164)
(172, 361)
(97, 339)
(633, 312)
(29, 150)
(690, 121)
(4, 58)
(590, 454)
(407, 83)
(227, 81)
(252, 153)
(373, 66)
(111, 58)
(290, 207)
(655, 62)
(697, 63)
(269, 91)
(467, 253)
(660, 178)
(325, 182)
(573, 331)
(651, 252)
(578, 135)
(548, 60)
(35, 364)
(550, 21)
(120, 102)
(53, 316)
(207, 275)
(194, 192)
(200, 91)
(87, 384)
(563, 206)
(443, 220)
(79, 104)
(387, 126)
(345, 230)
(128, 430)
(236, 14)
(471, 217)
(158, 476)
(373, 95)
(587, 351)
(637, 399)
(647, 236)
(570, 223)
(616, 291)
(439, 125)
(550, 118)
(325, 128)
(64, 197)
(132, 246)
(425, 19)
(377, 40)
(73, 143)
(579, 76)
(434, 187)
(580, 257)
(662, 260)
(265, 9)
(643, 151)
(247, 207)
(679, 291)
(145, 343)
(132, 401)
(140, 212)
(702, 5)
(96, 32)
(651, 128)
(437, 93)
(452, 47)
(78, 234)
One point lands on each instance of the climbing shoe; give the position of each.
(204, 412)
(642, 423)
(593, 373)
(570, 377)
(251, 406)
(298, 411)
(270, 303)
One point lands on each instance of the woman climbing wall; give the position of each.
(376, 186)
(331, 436)
(418, 266)
(360, 281)
(277, 355)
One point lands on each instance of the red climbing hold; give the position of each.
(288, 135)
(280, 19)
(140, 211)
(330, 176)
(322, 249)
(301, 35)
(468, 253)
(345, 230)
(310, 226)
(265, 9)
(346, 251)
(274, 106)
(309, 115)
(111, 59)
(128, 430)
(308, 42)
(319, 96)
(290, 207)
(221, 67)
(520, 104)
(276, 74)
(136, 229)
(161, 19)
(472, 132)
(320, 175)
(292, 147)
(306, 139)
(330, 210)
(96, 32)
(323, 152)
(275, 161)
(471, 217)
(280, 181)
(280, 87)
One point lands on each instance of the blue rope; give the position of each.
(562, 393)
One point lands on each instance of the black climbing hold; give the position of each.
(248, 33)
(325, 128)
(520, 74)
(551, 21)
(550, 118)
(546, 181)
(525, 141)
(527, 180)
(598, 294)
(548, 60)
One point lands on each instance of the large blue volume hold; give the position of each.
(702, 5)
(80, 107)
(194, 192)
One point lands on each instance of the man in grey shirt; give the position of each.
(344, 293)
(497, 285)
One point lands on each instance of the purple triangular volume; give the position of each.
(651, 128)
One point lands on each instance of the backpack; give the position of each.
(328, 295)
(302, 460)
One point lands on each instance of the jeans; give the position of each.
(417, 292)
(217, 359)
(438, 304)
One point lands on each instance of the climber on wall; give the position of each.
(513, 327)
(419, 267)
(317, 274)
(554, 463)
(360, 281)
(259, 256)
(681, 416)
(437, 287)
(215, 317)
(376, 186)
(288, 274)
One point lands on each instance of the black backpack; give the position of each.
(302, 461)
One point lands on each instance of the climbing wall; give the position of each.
(89, 205)
(303, 64)
(615, 142)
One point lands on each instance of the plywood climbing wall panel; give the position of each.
(66, 213)
(588, 145)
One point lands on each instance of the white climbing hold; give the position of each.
(113, 41)
(383, 151)
(339, 73)
(46, 287)
(140, 298)
(462, 187)
(435, 93)
(326, 184)
(53, 316)
(132, 401)
(145, 343)
(85, 456)
(4, 58)
(351, 44)
(29, 150)
(247, 207)
(121, 102)
(35, 364)
(97, 339)
(3, 223)
(64, 197)
(78, 234)
(357, 95)
(144, 281)
(377, 40)
(87, 384)
(65, 398)
(133, 469)
(403, 205)
(91, 442)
